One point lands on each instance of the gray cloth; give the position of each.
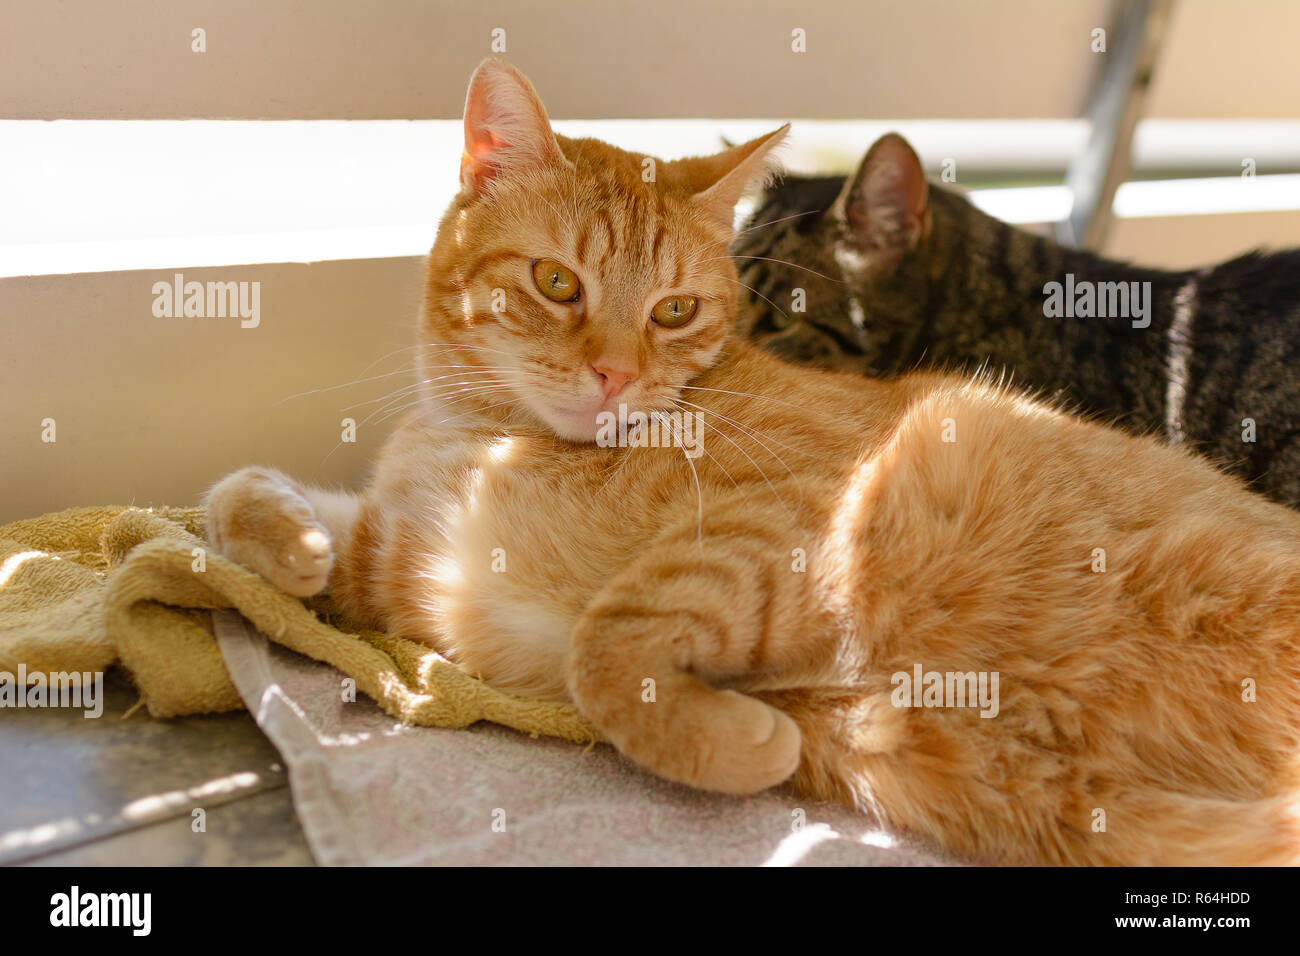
(370, 790)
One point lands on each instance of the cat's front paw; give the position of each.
(692, 733)
(747, 745)
(257, 518)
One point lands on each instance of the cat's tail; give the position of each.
(1181, 830)
(1111, 823)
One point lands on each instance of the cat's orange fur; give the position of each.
(497, 531)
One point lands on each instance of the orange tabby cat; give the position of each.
(774, 600)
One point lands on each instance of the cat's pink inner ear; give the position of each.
(885, 205)
(728, 174)
(506, 126)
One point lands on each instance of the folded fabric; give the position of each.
(87, 588)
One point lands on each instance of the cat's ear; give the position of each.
(721, 179)
(506, 126)
(886, 204)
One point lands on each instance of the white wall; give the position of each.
(408, 59)
(152, 410)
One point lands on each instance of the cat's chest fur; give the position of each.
(503, 545)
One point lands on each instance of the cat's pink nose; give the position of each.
(612, 377)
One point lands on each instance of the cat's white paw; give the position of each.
(258, 519)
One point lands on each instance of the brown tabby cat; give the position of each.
(899, 274)
(756, 613)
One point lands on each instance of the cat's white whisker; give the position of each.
(485, 408)
(719, 464)
(765, 225)
(761, 296)
(699, 498)
(397, 406)
(792, 265)
(403, 370)
(414, 386)
(727, 391)
(334, 388)
(617, 469)
(763, 474)
(756, 434)
(462, 345)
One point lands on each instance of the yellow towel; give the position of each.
(83, 589)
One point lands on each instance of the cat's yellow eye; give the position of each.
(674, 311)
(555, 281)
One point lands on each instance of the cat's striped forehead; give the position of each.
(612, 226)
(635, 227)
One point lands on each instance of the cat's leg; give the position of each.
(688, 615)
(285, 531)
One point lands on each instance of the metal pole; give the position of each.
(1117, 102)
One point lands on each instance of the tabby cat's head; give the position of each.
(842, 267)
(569, 276)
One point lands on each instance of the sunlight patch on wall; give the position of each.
(99, 196)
